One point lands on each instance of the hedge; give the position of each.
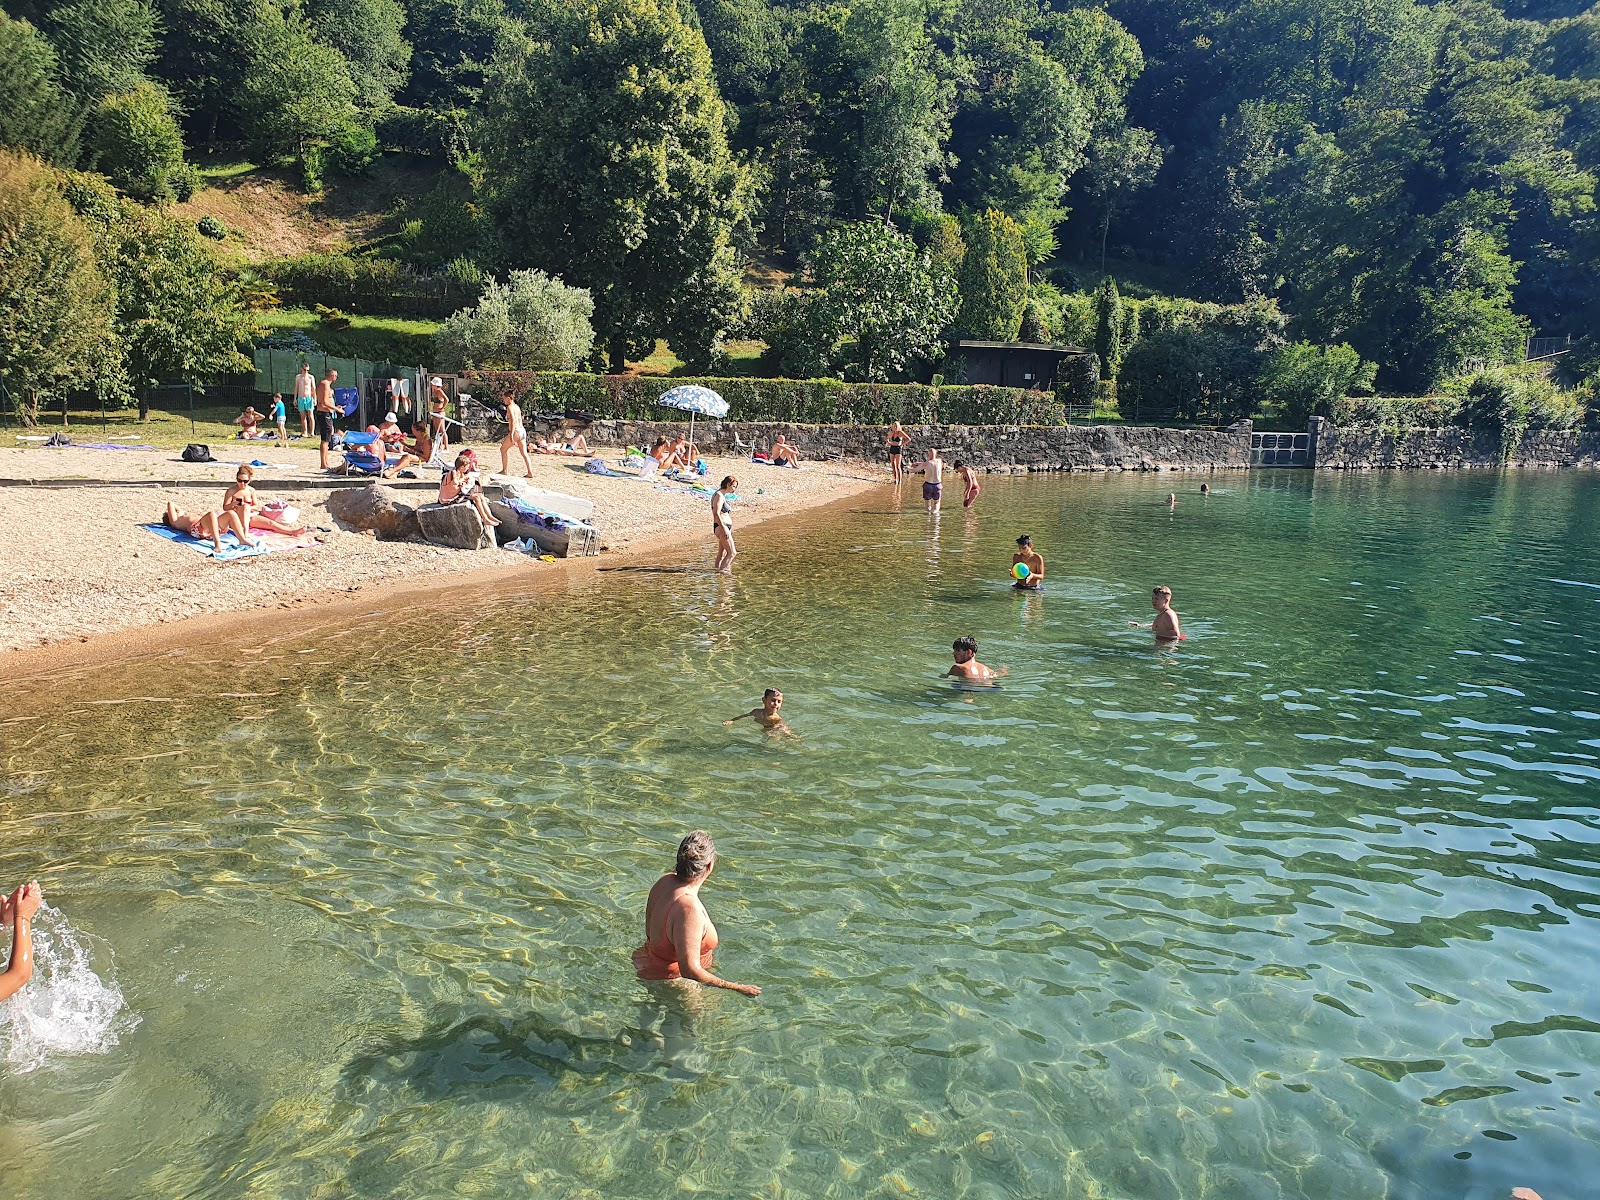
(805, 402)
(1397, 412)
(379, 287)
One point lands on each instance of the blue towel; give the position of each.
(231, 549)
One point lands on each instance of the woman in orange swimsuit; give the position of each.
(675, 919)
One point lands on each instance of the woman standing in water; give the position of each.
(679, 938)
(722, 524)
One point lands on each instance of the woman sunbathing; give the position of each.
(461, 484)
(241, 498)
(577, 447)
(208, 525)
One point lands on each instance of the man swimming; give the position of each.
(1027, 556)
(968, 669)
(1165, 626)
(768, 714)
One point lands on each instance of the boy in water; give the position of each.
(768, 715)
(970, 487)
(968, 669)
(1028, 557)
(1165, 626)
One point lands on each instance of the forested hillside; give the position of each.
(1299, 198)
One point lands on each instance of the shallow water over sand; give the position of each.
(1303, 908)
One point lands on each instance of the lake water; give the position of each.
(1305, 907)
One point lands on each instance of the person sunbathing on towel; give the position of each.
(207, 525)
(249, 419)
(576, 448)
(241, 498)
(784, 453)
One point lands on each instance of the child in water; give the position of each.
(970, 487)
(1165, 626)
(968, 669)
(768, 714)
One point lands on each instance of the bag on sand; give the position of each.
(195, 452)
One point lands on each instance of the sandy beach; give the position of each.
(75, 566)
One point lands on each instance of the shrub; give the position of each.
(1189, 374)
(1302, 380)
(137, 144)
(352, 150)
(366, 286)
(212, 228)
(1079, 380)
(1505, 403)
(533, 321)
(809, 401)
(185, 180)
(332, 318)
(1396, 412)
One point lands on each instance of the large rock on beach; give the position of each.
(456, 525)
(377, 508)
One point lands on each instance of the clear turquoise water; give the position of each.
(1304, 908)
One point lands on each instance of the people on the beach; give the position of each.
(241, 498)
(249, 422)
(1165, 626)
(391, 447)
(657, 458)
(783, 453)
(578, 447)
(679, 938)
(932, 480)
(438, 403)
(460, 484)
(305, 397)
(722, 524)
(421, 443)
(280, 418)
(967, 667)
(768, 714)
(897, 439)
(516, 438)
(970, 487)
(208, 525)
(1027, 556)
(324, 414)
(18, 910)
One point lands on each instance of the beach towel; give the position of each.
(231, 549)
(107, 446)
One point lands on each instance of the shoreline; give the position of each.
(81, 610)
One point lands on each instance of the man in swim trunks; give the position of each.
(324, 414)
(896, 439)
(768, 714)
(968, 669)
(932, 480)
(18, 910)
(679, 938)
(970, 487)
(305, 392)
(784, 454)
(1028, 557)
(1165, 626)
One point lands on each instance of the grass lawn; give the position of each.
(167, 427)
(404, 340)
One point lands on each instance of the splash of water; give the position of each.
(67, 1008)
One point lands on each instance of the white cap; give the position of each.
(437, 382)
(389, 417)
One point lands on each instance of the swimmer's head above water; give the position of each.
(772, 701)
(697, 854)
(964, 648)
(1025, 541)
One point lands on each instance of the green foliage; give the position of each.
(212, 228)
(366, 285)
(1396, 412)
(1079, 380)
(55, 303)
(137, 144)
(1508, 402)
(994, 279)
(1033, 327)
(1301, 380)
(35, 114)
(608, 164)
(810, 401)
(297, 95)
(1108, 328)
(1189, 374)
(530, 322)
(368, 34)
(879, 309)
(105, 46)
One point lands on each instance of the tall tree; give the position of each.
(55, 304)
(1108, 328)
(35, 114)
(297, 94)
(368, 34)
(608, 164)
(994, 278)
(105, 46)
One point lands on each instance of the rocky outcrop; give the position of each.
(377, 508)
(455, 525)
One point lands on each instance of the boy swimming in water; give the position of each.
(768, 714)
(1165, 626)
(968, 669)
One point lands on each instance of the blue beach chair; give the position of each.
(362, 454)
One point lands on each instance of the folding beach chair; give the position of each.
(361, 455)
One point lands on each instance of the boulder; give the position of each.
(374, 507)
(455, 525)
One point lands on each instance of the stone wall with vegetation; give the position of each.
(994, 448)
(1356, 448)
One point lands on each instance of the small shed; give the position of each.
(1026, 365)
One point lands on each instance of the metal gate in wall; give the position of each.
(1280, 450)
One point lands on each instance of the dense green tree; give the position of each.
(1119, 167)
(1301, 380)
(608, 164)
(532, 322)
(368, 34)
(993, 279)
(35, 114)
(55, 303)
(879, 308)
(297, 94)
(137, 144)
(1189, 374)
(1108, 328)
(105, 46)
(207, 50)
(452, 42)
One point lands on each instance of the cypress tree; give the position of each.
(1108, 328)
(994, 279)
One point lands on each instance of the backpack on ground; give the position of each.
(196, 452)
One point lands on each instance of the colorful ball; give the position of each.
(1021, 571)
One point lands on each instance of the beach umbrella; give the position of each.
(696, 401)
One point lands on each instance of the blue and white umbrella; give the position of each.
(696, 401)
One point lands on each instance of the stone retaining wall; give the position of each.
(1358, 449)
(994, 448)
